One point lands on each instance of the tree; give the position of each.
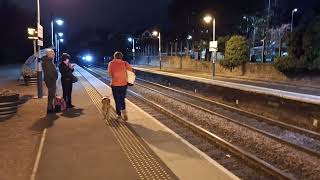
(303, 49)
(236, 52)
(222, 43)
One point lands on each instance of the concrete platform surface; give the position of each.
(267, 90)
(184, 160)
(78, 146)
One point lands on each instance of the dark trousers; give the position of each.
(67, 91)
(119, 95)
(51, 95)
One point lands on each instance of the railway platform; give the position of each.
(305, 94)
(81, 144)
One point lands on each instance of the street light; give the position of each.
(55, 37)
(61, 40)
(189, 37)
(247, 24)
(207, 19)
(133, 48)
(59, 22)
(293, 11)
(158, 35)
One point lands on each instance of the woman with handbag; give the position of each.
(67, 78)
(118, 70)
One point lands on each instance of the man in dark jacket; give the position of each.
(50, 78)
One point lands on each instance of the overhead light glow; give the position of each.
(61, 40)
(130, 39)
(189, 37)
(155, 33)
(207, 19)
(88, 58)
(60, 34)
(295, 10)
(59, 22)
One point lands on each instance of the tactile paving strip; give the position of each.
(141, 158)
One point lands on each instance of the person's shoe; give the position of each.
(70, 106)
(51, 111)
(125, 115)
(119, 117)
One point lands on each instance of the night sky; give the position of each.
(115, 14)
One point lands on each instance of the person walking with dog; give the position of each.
(67, 78)
(50, 78)
(117, 69)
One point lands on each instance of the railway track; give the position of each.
(222, 111)
(308, 141)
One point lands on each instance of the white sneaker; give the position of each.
(125, 115)
(119, 118)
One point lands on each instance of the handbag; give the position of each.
(131, 77)
(74, 79)
(60, 104)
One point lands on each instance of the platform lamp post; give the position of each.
(207, 19)
(59, 22)
(158, 35)
(40, 43)
(54, 38)
(61, 41)
(130, 39)
(58, 41)
(292, 15)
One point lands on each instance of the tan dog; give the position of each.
(106, 107)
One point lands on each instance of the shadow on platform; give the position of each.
(25, 98)
(45, 122)
(73, 112)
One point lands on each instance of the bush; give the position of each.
(292, 65)
(285, 64)
(304, 50)
(236, 52)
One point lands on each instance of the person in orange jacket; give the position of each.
(117, 69)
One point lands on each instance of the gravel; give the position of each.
(300, 164)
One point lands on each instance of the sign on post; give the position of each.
(40, 35)
(40, 42)
(213, 46)
(32, 34)
(40, 31)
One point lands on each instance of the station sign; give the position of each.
(213, 46)
(40, 31)
(32, 34)
(40, 35)
(40, 42)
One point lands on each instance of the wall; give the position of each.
(177, 62)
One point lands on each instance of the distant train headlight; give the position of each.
(87, 58)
